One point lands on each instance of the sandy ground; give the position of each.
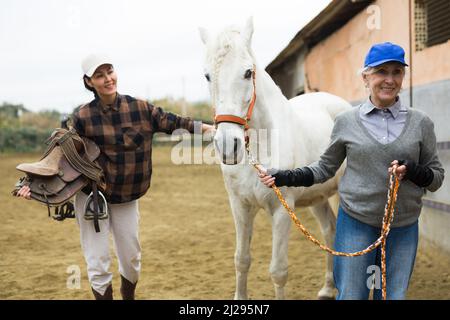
(187, 238)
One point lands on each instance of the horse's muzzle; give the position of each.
(230, 153)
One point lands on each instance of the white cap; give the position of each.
(92, 62)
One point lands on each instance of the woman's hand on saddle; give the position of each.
(24, 192)
(398, 169)
(265, 178)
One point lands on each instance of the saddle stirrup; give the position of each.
(94, 209)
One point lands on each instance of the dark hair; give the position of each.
(85, 78)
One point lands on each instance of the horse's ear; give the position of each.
(248, 32)
(204, 34)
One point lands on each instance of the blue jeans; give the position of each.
(354, 276)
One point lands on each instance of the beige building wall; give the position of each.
(431, 64)
(333, 64)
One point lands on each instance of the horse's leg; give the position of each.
(243, 220)
(327, 220)
(280, 237)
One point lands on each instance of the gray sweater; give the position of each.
(364, 186)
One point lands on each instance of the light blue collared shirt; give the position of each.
(385, 125)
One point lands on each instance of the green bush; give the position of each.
(25, 139)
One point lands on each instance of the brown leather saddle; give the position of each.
(67, 166)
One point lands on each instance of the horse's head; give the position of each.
(229, 69)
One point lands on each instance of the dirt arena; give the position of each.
(187, 238)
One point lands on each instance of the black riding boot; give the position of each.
(108, 295)
(127, 289)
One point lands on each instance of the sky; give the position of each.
(155, 45)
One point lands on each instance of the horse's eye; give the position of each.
(248, 74)
(207, 77)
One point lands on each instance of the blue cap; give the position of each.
(384, 52)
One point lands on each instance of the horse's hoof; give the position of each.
(326, 294)
(240, 297)
(325, 298)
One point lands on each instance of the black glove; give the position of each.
(300, 177)
(420, 175)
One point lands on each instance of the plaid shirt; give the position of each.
(124, 133)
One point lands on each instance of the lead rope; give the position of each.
(388, 217)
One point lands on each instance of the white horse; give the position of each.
(303, 126)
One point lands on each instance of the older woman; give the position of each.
(123, 127)
(378, 136)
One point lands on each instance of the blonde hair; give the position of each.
(370, 70)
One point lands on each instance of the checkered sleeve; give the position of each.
(168, 122)
(77, 124)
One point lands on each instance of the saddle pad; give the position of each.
(49, 166)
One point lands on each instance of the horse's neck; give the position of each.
(271, 106)
(271, 112)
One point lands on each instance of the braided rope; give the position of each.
(388, 217)
(389, 214)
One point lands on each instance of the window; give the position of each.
(432, 22)
(420, 21)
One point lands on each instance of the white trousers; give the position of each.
(123, 224)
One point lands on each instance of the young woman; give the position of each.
(123, 127)
(380, 135)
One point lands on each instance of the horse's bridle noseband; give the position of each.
(236, 119)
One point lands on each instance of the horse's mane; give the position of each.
(224, 43)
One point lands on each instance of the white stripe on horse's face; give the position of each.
(228, 70)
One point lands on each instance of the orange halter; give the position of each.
(236, 119)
